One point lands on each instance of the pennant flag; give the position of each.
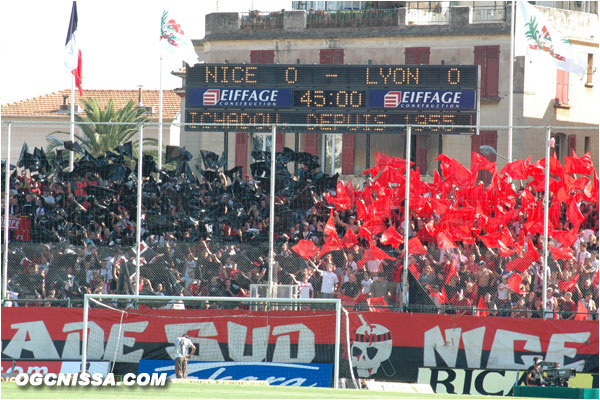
(349, 239)
(377, 304)
(535, 35)
(561, 253)
(332, 243)
(567, 286)
(416, 247)
(305, 248)
(579, 165)
(174, 40)
(330, 225)
(482, 308)
(582, 312)
(574, 214)
(514, 282)
(391, 237)
(72, 50)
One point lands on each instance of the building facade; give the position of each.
(445, 34)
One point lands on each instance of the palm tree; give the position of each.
(99, 134)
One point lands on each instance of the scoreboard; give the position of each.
(331, 98)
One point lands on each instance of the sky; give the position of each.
(119, 40)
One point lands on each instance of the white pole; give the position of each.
(6, 212)
(511, 74)
(336, 364)
(406, 217)
(160, 114)
(546, 197)
(72, 135)
(272, 209)
(138, 220)
(84, 333)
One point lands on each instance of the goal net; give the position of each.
(301, 342)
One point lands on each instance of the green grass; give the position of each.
(201, 391)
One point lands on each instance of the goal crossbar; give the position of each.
(336, 302)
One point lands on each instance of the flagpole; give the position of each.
(72, 135)
(272, 210)
(6, 211)
(406, 216)
(546, 200)
(511, 74)
(138, 219)
(160, 113)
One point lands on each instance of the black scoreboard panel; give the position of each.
(328, 122)
(324, 76)
(331, 98)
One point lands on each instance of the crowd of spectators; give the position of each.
(209, 236)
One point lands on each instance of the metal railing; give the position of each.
(351, 18)
(258, 20)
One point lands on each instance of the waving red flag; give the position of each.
(482, 308)
(416, 247)
(516, 170)
(330, 225)
(349, 239)
(453, 270)
(391, 237)
(561, 253)
(441, 297)
(567, 286)
(522, 263)
(565, 237)
(479, 163)
(582, 312)
(305, 248)
(350, 301)
(444, 241)
(579, 165)
(514, 282)
(332, 243)
(574, 214)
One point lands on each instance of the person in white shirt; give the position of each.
(366, 283)
(184, 348)
(329, 283)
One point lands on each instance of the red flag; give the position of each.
(416, 247)
(582, 312)
(391, 237)
(444, 241)
(483, 309)
(72, 50)
(479, 162)
(377, 304)
(579, 165)
(522, 263)
(567, 286)
(516, 170)
(415, 271)
(574, 215)
(305, 248)
(350, 301)
(349, 239)
(330, 225)
(565, 237)
(595, 282)
(452, 271)
(561, 253)
(514, 282)
(441, 297)
(332, 243)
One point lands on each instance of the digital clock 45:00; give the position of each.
(330, 99)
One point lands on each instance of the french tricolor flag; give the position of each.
(72, 51)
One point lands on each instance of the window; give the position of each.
(332, 153)
(488, 57)
(586, 144)
(562, 87)
(261, 141)
(572, 145)
(331, 56)
(416, 55)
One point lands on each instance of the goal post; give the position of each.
(287, 308)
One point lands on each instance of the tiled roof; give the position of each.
(49, 104)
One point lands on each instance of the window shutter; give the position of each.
(421, 156)
(325, 56)
(572, 144)
(241, 150)
(348, 154)
(423, 55)
(255, 57)
(268, 56)
(280, 138)
(310, 143)
(411, 55)
(480, 60)
(492, 70)
(337, 56)
(562, 87)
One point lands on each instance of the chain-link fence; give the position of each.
(475, 248)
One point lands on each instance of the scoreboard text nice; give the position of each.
(331, 98)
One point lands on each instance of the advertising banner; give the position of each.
(420, 99)
(283, 374)
(45, 367)
(239, 97)
(21, 226)
(379, 344)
